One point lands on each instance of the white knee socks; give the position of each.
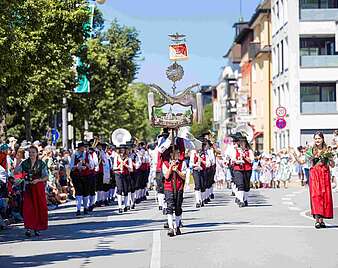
(85, 201)
(170, 221)
(78, 202)
(119, 200)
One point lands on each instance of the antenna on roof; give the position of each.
(240, 11)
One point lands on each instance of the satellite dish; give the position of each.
(120, 136)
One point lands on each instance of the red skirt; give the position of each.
(320, 191)
(35, 211)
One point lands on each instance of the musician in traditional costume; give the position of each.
(242, 159)
(103, 175)
(122, 168)
(81, 165)
(174, 171)
(197, 164)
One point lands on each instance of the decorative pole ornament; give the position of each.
(177, 109)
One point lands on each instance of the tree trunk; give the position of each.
(2, 127)
(28, 126)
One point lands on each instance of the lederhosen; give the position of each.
(242, 173)
(174, 195)
(212, 173)
(198, 179)
(203, 173)
(81, 178)
(99, 174)
(121, 178)
(159, 175)
(133, 175)
(112, 173)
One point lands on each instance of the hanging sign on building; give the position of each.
(178, 52)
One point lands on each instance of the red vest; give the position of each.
(85, 171)
(169, 183)
(125, 170)
(246, 166)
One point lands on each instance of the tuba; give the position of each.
(120, 136)
(246, 131)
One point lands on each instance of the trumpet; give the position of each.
(96, 141)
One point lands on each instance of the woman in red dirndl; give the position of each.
(320, 181)
(35, 211)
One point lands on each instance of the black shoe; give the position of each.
(246, 203)
(322, 225)
(232, 194)
(171, 232)
(236, 200)
(85, 211)
(164, 211)
(28, 233)
(160, 208)
(78, 213)
(125, 209)
(202, 204)
(120, 210)
(198, 205)
(137, 201)
(212, 196)
(166, 225)
(178, 231)
(241, 204)
(128, 207)
(317, 225)
(106, 203)
(90, 208)
(147, 194)
(133, 206)
(37, 233)
(208, 199)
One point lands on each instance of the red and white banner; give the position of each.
(178, 52)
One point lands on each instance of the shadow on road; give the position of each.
(47, 259)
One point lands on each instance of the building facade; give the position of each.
(305, 69)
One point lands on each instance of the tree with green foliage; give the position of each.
(198, 129)
(38, 39)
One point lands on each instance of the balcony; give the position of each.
(319, 61)
(318, 14)
(318, 108)
(256, 48)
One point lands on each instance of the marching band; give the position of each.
(102, 173)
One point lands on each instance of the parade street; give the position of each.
(275, 230)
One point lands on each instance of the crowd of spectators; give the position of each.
(59, 188)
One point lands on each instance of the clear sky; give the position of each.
(206, 23)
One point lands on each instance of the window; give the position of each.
(278, 92)
(318, 98)
(313, 4)
(317, 46)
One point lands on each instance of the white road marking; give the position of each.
(286, 199)
(294, 208)
(243, 226)
(155, 261)
(287, 203)
(290, 195)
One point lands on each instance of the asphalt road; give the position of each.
(274, 231)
